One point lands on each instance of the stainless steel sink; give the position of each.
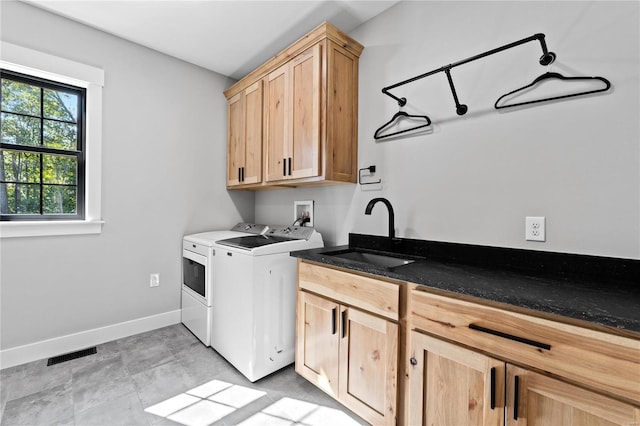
(377, 259)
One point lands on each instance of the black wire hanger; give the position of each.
(425, 121)
(552, 75)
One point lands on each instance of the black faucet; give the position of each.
(392, 231)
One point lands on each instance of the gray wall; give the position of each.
(163, 162)
(473, 179)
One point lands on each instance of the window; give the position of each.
(51, 143)
(41, 149)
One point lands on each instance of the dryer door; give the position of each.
(194, 275)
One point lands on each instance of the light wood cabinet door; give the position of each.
(244, 136)
(235, 139)
(533, 399)
(252, 172)
(317, 344)
(341, 114)
(293, 118)
(304, 146)
(277, 111)
(368, 365)
(451, 385)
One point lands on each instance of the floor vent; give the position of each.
(73, 355)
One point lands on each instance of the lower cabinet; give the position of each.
(534, 399)
(462, 362)
(350, 354)
(453, 385)
(318, 342)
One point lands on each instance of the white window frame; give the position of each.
(43, 65)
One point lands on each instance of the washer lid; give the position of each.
(240, 229)
(252, 241)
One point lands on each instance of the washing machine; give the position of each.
(254, 303)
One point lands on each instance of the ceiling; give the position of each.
(228, 37)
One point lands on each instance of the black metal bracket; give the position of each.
(461, 109)
(372, 170)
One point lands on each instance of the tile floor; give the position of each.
(162, 377)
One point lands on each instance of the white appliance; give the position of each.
(254, 299)
(198, 262)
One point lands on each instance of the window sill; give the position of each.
(45, 229)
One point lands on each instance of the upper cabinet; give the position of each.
(293, 121)
(244, 138)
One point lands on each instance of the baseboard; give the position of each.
(73, 342)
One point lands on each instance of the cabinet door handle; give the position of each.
(242, 174)
(334, 327)
(510, 337)
(289, 166)
(343, 324)
(284, 167)
(413, 361)
(516, 387)
(239, 176)
(493, 388)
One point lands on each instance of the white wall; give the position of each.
(474, 178)
(164, 147)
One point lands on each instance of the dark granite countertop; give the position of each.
(599, 290)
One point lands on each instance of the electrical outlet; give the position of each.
(154, 280)
(534, 228)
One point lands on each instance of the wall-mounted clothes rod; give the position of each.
(505, 101)
(461, 109)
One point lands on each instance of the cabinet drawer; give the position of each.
(376, 296)
(599, 360)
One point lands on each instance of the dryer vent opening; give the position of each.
(72, 355)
